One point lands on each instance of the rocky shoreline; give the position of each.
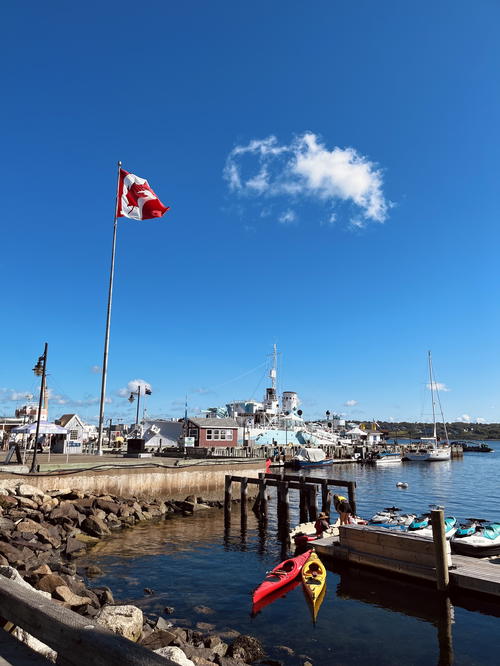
(43, 532)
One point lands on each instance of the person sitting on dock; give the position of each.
(343, 508)
(321, 525)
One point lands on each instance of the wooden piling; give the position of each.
(440, 548)
(324, 497)
(351, 493)
(285, 500)
(227, 498)
(303, 501)
(312, 503)
(228, 492)
(244, 496)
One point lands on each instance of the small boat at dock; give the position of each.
(474, 447)
(385, 457)
(282, 574)
(310, 457)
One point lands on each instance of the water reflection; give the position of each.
(365, 617)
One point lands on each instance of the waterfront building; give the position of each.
(210, 432)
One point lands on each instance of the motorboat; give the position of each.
(391, 517)
(422, 526)
(474, 447)
(477, 537)
(385, 457)
(310, 457)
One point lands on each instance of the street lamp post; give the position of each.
(147, 391)
(39, 370)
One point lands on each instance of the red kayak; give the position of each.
(274, 596)
(281, 575)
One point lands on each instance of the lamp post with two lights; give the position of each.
(40, 371)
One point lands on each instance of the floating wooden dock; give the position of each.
(410, 555)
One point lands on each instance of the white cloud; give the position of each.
(438, 386)
(288, 217)
(132, 387)
(481, 420)
(350, 403)
(465, 418)
(307, 167)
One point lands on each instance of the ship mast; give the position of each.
(431, 379)
(272, 371)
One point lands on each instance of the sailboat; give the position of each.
(429, 449)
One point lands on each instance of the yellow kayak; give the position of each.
(314, 577)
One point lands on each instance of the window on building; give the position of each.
(73, 434)
(219, 434)
(193, 432)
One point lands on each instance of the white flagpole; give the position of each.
(108, 322)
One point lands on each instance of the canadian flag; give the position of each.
(136, 199)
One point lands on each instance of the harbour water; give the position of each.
(365, 617)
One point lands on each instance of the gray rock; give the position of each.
(25, 490)
(126, 621)
(49, 582)
(175, 655)
(161, 623)
(203, 610)
(205, 626)
(228, 661)
(158, 638)
(95, 527)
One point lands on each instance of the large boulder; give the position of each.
(65, 512)
(95, 527)
(25, 490)
(123, 620)
(108, 507)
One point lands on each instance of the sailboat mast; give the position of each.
(431, 379)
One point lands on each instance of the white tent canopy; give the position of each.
(46, 428)
(356, 431)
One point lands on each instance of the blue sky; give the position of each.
(333, 176)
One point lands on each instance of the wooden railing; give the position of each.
(78, 641)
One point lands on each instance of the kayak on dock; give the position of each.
(314, 576)
(282, 574)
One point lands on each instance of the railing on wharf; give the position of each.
(78, 640)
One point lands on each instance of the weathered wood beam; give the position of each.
(78, 640)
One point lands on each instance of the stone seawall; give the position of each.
(148, 482)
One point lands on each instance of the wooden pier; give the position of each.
(410, 555)
(308, 487)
